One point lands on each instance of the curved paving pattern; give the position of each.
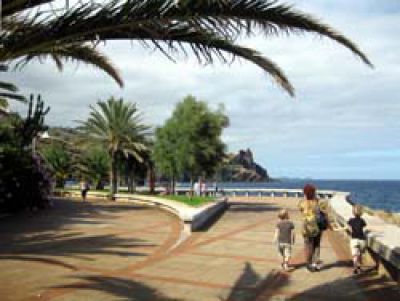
(111, 251)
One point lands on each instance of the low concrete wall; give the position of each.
(193, 217)
(206, 214)
(383, 238)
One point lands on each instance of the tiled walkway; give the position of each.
(111, 251)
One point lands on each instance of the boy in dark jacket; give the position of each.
(358, 243)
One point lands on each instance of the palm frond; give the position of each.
(13, 96)
(10, 7)
(227, 18)
(8, 86)
(235, 17)
(11, 90)
(74, 52)
(209, 29)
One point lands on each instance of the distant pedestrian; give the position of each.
(196, 188)
(203, 188)
(284, 237)
(215, 188)
(84, 189)
(315, 221)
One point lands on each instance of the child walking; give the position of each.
(284, 236)
(358, 240)
(356, 226)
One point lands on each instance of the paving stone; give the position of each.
(114, 251)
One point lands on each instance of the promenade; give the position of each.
(102, 250)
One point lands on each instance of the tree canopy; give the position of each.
(59, 161)
(190, 141)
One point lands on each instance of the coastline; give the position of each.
(381, 195)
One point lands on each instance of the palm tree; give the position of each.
(59, 161)
(118, 127)
(208, 29)
(94, 164)
(8, 91)
(134, 169)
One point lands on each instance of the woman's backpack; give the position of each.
(322, 220)
(310, 220)
(310, 227)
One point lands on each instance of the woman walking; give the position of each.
(314, 222)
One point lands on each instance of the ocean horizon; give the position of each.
(376, 194)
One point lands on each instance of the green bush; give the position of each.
(24, 182)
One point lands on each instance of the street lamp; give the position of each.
(40, 135)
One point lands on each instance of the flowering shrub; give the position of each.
(24, 181)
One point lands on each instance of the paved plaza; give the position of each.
(100, 250)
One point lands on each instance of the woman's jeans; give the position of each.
(312, 248)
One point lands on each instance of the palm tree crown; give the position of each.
(208, 29)
(116, 125)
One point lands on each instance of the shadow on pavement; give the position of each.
(76, 247)
(374, 286)
(251, 286)
(338, 264)
(35, 236)
(62, 214)
(119, 288)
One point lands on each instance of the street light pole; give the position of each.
(43, 135)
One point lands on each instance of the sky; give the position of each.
(342, 124)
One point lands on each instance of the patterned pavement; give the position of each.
(116, 251)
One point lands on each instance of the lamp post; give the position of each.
(40, 135)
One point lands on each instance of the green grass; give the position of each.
(191, 201)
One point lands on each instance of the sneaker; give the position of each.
(315, 267)
(318, 266)
(310, 268)
(285, 266)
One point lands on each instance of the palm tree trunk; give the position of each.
(131, 181)
(113, 174)
(59, 182)
(99, 185)
(173, 185)
(191, 191)
(151, 179)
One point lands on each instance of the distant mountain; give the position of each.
(241, 167)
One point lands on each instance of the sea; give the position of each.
(376, 194)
